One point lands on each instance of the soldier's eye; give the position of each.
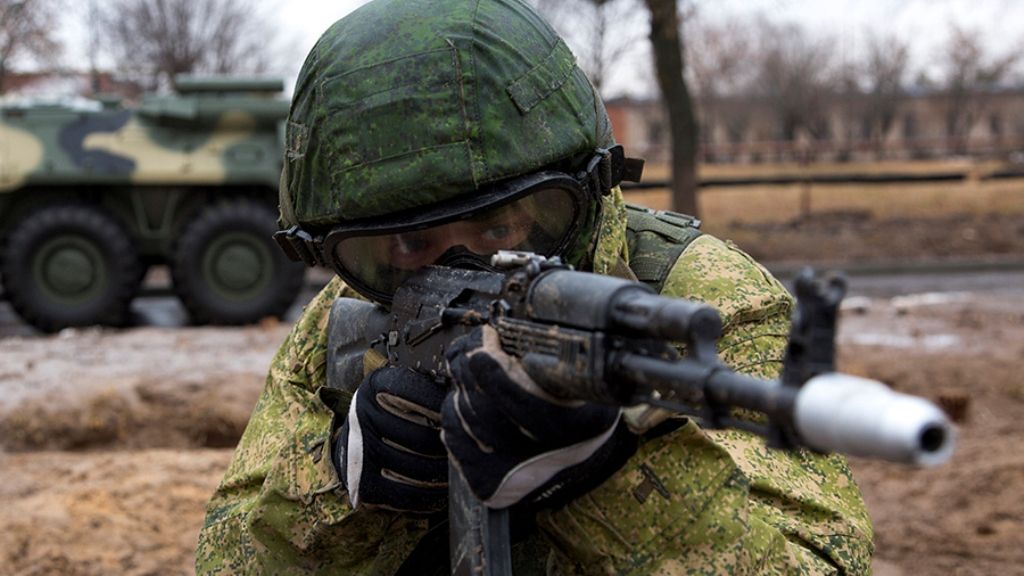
(497, 232)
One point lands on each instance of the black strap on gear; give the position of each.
(299, 246)
(608, 168)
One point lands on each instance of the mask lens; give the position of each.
(539, 222)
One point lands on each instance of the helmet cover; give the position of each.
(410, 103)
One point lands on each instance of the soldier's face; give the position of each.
(485, 234)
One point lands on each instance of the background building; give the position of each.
(921, 125)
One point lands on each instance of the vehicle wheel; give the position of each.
(69, 265)
(227, 269)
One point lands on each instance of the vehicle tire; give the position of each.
(226, 268)
(69, 265)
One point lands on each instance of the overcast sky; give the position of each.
(923, 23)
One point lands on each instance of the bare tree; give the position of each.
(885, 76)
(870, 90)
(885, 73)
(26, 30)
(970, 77)
(720, 69)
(667, 45)
(848, 81)
(794, 77)
(601, 32)
(157, 39)
(719, 56)
(93, 18)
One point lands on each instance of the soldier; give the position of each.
(439, 132)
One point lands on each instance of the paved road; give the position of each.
(167, 311)
(889, 284)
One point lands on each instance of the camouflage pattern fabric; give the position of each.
(92, 194)
(689, 502)
(462, 94)
(181, 139)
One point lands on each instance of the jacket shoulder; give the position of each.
(302, 357)
(718, 273)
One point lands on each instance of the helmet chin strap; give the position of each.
(461, 257)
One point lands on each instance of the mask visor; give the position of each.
(375, 261)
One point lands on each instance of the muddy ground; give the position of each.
(112, 440)
(854, 236)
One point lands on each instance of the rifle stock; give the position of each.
(478, 535)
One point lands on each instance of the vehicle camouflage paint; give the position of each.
(92, 195)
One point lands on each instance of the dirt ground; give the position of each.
(847, 236)
(963, 351)
(111, 441)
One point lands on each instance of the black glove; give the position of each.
(389, 452)
(513, 442)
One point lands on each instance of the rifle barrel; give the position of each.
(832, 412)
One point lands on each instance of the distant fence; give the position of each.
(879, 178)
(839, 151)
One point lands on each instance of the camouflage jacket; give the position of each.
(688, 502)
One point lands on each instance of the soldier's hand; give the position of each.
(389, 452)
(515, 443)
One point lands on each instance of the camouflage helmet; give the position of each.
(405, 104)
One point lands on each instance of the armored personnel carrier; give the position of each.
(92, 195)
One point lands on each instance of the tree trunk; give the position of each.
(668, 62)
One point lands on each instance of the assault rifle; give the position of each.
(603, 339)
